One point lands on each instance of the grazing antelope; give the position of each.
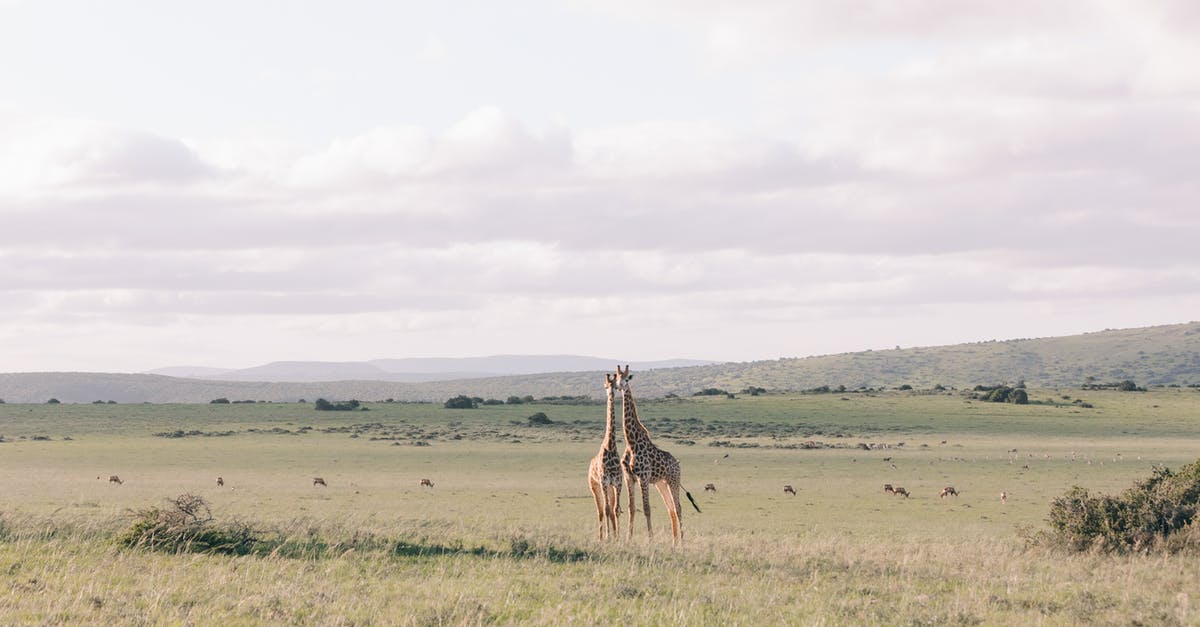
(787, 489)
(220, 482)
(115, 479)
(888, 489)
(426, 483)
(949, 491)
(899, 490)
(319, 481)
(708, 487)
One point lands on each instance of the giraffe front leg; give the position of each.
(631, 480)
(600, 505)
(610, 511)
(646, 506)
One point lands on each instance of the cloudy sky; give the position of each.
(231, 183)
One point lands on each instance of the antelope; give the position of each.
(899, 490)
(319, 481)
(1003, 497)
(949, 491)
(708, 487)
(220, 482)
(888, 489)
(426, 483)
(787, 489)
(115, 479)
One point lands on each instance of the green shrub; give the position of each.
(324, 405)
(185, 526)
(460, 402)
(539, 419)
(1156, 513)
(711, 392)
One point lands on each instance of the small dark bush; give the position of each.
(540, 419)
(219, 401)
(324, 405)
(460, 402)
(53, 401)
(711, 392)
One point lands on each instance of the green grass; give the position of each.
(508, 532)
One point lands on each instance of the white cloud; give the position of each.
(879, 173)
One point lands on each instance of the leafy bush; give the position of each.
(539, 419)
(1156, 513)
(324, 405)
(711, 392)
(219, 401)
(460, 402)
(185, 526)
(1001, 394)
(53, 401)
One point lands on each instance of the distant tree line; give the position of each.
(1121, 386)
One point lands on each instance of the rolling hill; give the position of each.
(1161, 355)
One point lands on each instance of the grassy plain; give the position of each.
(508, 532)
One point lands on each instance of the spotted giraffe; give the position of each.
(605, 475)
(648, 465)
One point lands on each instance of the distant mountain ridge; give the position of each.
(1160, 355)
(415, 369)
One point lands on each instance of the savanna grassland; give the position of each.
(508, 532)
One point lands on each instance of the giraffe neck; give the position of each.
(633, 428)
(610, 437)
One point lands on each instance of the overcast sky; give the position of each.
(231, 183)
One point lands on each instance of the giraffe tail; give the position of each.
(689, 495)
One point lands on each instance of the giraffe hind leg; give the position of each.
(670, 497)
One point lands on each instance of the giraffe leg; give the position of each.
(611, 508)
(646, 506)
(671, 501)
(631, 480)
(596, 494)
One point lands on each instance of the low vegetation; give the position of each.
(505, 531)
(1156, 514)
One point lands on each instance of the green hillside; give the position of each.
(1162, 355)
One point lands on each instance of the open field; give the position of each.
(507, 534)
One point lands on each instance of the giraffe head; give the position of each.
(622, 378)
(610, 382)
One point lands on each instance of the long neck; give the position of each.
(631, 425)
(610, 438)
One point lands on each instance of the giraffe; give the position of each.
(605, 475)
(648, 465)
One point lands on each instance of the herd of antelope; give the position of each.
(317, 481)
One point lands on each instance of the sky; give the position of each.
(228, 183)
